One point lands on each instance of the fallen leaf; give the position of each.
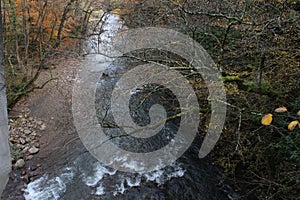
(293, 125)
(298, 113)
(267, 119)
(281, 109)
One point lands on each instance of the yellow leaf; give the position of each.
(293, 125)
(281, 109)
(267, 119)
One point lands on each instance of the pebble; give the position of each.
(33, 150)
(25, 179)
(24, 136)
(43, 127)
(20, 163)
(22, 141)
(25, 149)
(27, 132)
(29, 157)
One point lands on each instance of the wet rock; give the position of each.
(25, 179)
(20, 163)
(33, 174)
(32, 168)
(33, 150)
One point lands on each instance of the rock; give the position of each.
(29, 157)
(20, 163)
(40, 123)
(33, 150)
(43, 127)
(33, 174)
(32, 168)
(25, 179)
(23, 121)
(25, 150)
(27, 132)
(22, 141)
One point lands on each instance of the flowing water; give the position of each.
(81, 176)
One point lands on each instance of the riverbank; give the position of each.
(42, 121)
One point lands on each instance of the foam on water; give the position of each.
(120, 188)
(133, 182)
(44, 188)
(100, 190)
(99, 172)
(163, 175)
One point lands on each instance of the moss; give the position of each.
(15, 152)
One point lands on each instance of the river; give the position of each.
(81, 176)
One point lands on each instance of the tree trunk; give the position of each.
(5, 159)
(25, 32)
(62, 21)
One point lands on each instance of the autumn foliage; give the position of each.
(34, 31)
